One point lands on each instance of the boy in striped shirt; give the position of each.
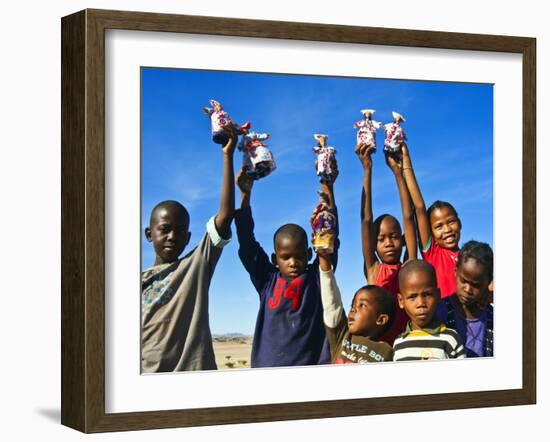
(424, 337)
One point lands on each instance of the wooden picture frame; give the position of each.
(83, 219)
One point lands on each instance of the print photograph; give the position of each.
(292, 221)
(298, 220)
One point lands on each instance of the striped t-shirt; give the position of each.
(434, 342)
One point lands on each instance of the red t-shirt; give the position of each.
(444, 262)
(387, 279)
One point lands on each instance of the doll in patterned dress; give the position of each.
(323, 225)
(325, 159)
(222, 124)
(258, 160)
(367, 129)
(395, 135)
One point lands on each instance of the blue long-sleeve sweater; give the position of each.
(289, 328)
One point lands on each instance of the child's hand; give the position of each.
(229, 147)
(244, 182)
(324, 253)
(325, 260)
(393, 164)
(364, 154)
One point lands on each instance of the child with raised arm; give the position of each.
(438, 229)
(468, 311)
(175, 330)
(289, 327)
(355, 339)
(382, 240)
(425, 337)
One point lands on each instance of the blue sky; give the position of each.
(450, 136)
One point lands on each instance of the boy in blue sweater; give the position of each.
(289, 328)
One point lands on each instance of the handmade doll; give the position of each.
(325, 159)
(323, 225)
(367, 129)
(395, 135)
(221, 121)
(258, 161)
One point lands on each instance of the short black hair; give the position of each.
(385, 304)
(293, 231)
(170, 204)
(479, 251)
(416, 265)
(438, 204)
(378, 222)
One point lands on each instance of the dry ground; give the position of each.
(232, 352)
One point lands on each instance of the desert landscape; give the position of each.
(232, 351)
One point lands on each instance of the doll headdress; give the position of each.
(367, 113)
(214, 103)
(397, 117)
(321, 139)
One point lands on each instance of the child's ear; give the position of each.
(490, 287)
(400, 301)
(309, 254)
(382, 319)
(148, 234)
(438, 294)
(274, 259)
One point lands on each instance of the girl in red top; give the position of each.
(438, 230)
(382, 239)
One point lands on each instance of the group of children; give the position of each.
(439, 307)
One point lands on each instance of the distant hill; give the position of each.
(231, 335)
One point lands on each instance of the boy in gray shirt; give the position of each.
(175, 330)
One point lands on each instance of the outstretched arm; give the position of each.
(406, 207)
(367, 221)
(251, 253)
(333, 308)
(227, 200)
(424, 228)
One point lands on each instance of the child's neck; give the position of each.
(367, 335)
(159, 261)
(473, 311)
(429, 325)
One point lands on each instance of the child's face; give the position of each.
(169, 233)
(389, 243)
(419, 296)
(445, 227)
(363, 317)
(472, 282)
(291, 257)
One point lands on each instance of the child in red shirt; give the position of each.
(438, 229)
(382, 239)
